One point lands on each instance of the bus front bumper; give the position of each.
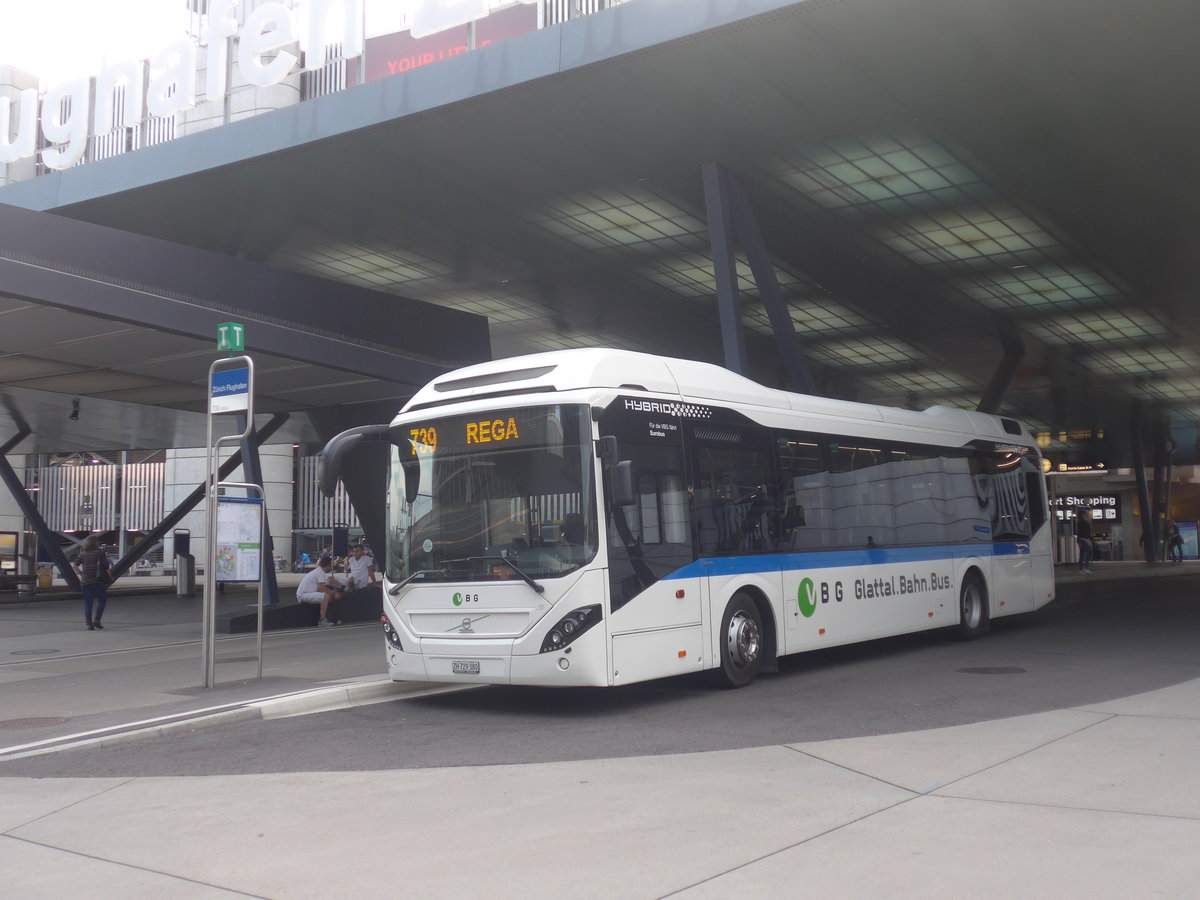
(583, 663)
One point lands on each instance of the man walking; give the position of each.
(1083, 537)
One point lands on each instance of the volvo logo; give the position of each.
(464, 627)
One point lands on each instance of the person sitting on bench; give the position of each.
(318, 586)
(361, 568)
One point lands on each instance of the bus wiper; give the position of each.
(395, 588)
(508, 562)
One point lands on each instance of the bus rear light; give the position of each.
(820, 631)
(569, 627)
(682, 654)
(679, 594)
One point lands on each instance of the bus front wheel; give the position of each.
(973, 618)
(741, 642)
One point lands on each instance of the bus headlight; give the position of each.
(390, 632)
(570, 626)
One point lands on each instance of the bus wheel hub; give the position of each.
(742, 640)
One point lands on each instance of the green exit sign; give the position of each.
(231, 336)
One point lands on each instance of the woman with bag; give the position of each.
(92, 567)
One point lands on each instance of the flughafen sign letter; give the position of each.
(266, 46)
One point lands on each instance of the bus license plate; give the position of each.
(465, 666)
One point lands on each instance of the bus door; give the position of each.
(734, 513)
(648, 541)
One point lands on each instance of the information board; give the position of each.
(239, 539)
(8, 551)
(1187, 531)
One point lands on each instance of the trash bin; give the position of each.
(185, 575)
(45, 576)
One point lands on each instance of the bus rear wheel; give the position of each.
(741, 642)
(973, 618)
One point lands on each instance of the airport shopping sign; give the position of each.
(270, 43)
(1098, 506)
(229, 391)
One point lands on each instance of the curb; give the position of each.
(299, 703)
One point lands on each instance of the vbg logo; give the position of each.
(460, 599)
(806, 597)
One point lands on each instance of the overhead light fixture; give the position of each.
(74, 416)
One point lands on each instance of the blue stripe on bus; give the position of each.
(834, 559)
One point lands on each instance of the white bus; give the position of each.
(602, 517)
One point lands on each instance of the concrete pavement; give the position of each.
(1097, 801)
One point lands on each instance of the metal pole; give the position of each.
(1143, 494)
(122, 515)
(210, 533)
(209, 625)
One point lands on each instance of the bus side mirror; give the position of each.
(620, 471)
(412, 479)
(329, 464)
(622, 484)
(606, 451)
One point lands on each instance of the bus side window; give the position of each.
(917, 491)
(732, 499)
(861, 494)
(967, 517)
(1037, 495)
(649, 494)
(803, 507)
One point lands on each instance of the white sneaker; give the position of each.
(324, 623)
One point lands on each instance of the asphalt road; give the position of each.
(1097, 641)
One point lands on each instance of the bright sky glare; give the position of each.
(60, 39)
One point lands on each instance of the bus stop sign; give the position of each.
(229, 391)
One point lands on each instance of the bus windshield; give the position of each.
(505, 494)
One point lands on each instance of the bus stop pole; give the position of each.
(213, 447)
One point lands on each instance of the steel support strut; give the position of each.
(720, 233)
(191, 501)
(1006, 370)
(730, 218)
(252, 467)
(29, 509)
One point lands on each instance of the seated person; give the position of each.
(361, 568)
(318, 586)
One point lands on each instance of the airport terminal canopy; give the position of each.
(935, 182)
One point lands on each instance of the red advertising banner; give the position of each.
(394, 54)
(507, 23)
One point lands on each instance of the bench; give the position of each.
(357, 606)
(13, 582)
